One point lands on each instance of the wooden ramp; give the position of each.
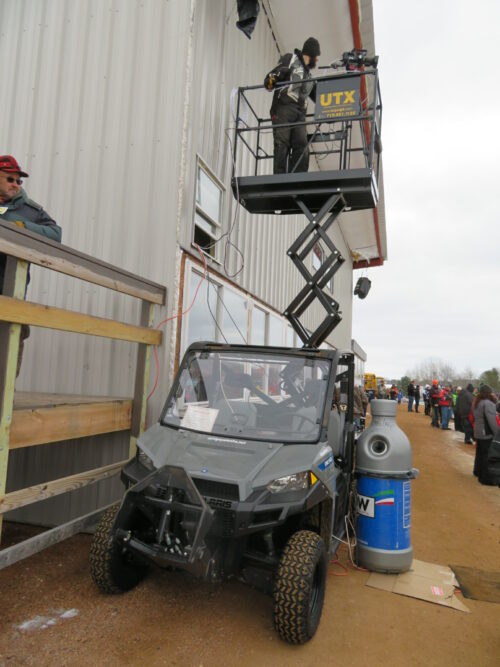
(40, 418)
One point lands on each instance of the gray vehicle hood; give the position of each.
(248, 463)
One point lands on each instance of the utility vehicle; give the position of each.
(247, 474)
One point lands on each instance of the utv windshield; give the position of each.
(272, 397)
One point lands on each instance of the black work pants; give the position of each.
(291, 152)
(467, 429)
(481, 462)
(436, 416)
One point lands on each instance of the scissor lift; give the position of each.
(321, 196)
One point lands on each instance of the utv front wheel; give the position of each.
(112, 569)
(299, 589)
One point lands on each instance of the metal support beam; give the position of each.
(139, 404)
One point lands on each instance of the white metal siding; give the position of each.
(224, 60)
(95, 111)
(95, 103)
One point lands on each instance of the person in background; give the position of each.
(417, 397)
(411, 395)
(393, 392)
(17, 208)
(485, 427)
(445, 402)
(364, 400)
(358, 410)
(456, 414)
(464, 407)
(434, 401)
(400, 396)
(427, 400)
(494, 453)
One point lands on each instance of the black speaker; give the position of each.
(362, 287)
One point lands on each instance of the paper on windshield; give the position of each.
(199, 418)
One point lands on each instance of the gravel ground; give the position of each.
(53, 615)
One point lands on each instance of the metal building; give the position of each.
(122, 112)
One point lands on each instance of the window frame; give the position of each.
(221, 284)
(199, 210)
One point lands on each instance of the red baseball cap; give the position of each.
(9, 163)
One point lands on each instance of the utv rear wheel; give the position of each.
(111, 567)
(299, 590)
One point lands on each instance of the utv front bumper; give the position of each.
(164, 519)
(190, 519)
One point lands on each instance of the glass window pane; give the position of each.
(208, 195)
(275, 331)
(317, 256)
(234, 318)
(204, 224)
(227, 387)
(289, 337)
(258, 336)
(201, 325)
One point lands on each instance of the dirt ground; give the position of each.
(53, 615)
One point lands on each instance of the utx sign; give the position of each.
(337, 98)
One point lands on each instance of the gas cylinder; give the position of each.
(384, 474)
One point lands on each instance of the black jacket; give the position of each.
(411, 389)
(291, 67)
(434, 396)
(464, 403)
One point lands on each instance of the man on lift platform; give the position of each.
(291, 152)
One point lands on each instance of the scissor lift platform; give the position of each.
(279, 193)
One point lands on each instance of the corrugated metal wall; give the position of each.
(96, 111)
(95, 115)
(224, 60)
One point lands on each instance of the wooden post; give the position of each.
(141, 381)
(14, 285)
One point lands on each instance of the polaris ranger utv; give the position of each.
(246, 474)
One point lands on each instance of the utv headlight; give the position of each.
(145, 460)
(296, 482)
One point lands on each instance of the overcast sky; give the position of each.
(438, 295)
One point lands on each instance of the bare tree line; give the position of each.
(433, 368)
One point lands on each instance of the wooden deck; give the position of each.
(40, 418)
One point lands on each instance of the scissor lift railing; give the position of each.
(352, 144)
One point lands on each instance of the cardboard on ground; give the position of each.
(425, 581)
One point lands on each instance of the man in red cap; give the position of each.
(17, 208)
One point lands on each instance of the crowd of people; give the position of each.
(475, 412)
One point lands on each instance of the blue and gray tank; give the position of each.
(384, 474)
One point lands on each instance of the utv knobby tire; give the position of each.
(299, 589)
(112, 570)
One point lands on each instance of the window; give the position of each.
(208, 210)
(201, 322)
(268, 396)
(275, 331)
(234, 317)
(258, 331)
(319, 257)
(223, 313)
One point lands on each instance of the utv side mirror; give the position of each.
(335, 432)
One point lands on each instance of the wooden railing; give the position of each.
(23, 247)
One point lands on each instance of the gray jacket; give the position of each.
(485, 412)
